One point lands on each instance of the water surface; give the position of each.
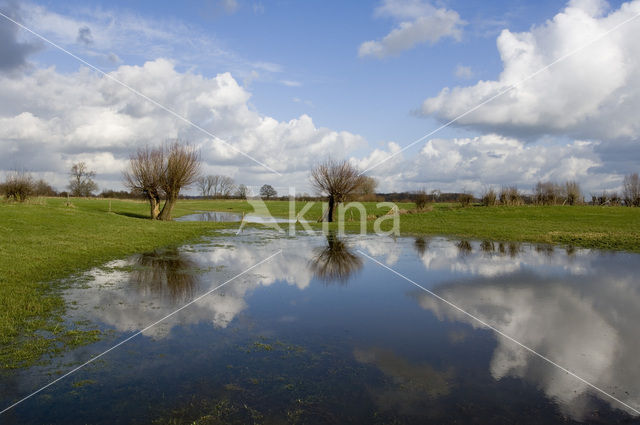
(226, 217)
(321, 334)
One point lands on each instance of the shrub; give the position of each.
(421, 199)
(18, 186)
(572, 192)
(465, 199)
(603, 198)
(547, 193)
(615, 199)
(489, 197)
(42, 188)
(510, 196)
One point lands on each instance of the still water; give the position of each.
(321, 334)
(228, 217)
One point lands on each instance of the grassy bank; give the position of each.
(45, 240)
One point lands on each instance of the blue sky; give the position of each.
(293, 59)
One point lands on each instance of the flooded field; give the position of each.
(320, 333)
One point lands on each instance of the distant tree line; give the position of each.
(20, 185)
(543, 193)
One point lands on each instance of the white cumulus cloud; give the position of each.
(475, 163)
(417, 22)
(591, 95)
(50, 119)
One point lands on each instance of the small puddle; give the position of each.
(227, 217)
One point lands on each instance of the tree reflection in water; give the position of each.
(166, 273)
(335, 262)
(464, 248)
(421, 245)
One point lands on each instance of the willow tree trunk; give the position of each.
(165, 214)
(332, 207)
(154, 203)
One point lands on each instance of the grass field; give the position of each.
(45, 240)
(610, 228)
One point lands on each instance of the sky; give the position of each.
(530, 91)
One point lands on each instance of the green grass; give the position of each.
(607, 228)
(46, 240)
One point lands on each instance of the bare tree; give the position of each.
(226, 186)
(572, 192)
(510, 195)
(336, 180)
(547, 193)
(489, 197)
(144, 176)
(81, 182)
(421, 199)
(465, 198)
(215, 186)
(42, 188)
(631, 190)
(614, 199)
(17, 186)
(242, 191)
(367, 189)
(205, 185)
(182, 168)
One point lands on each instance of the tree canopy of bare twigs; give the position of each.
(18, 186)
(242, 191)
(215, 186)
(161, 172)
(182, 168)
(81, 180)
(366, 191)
(572, 192)
(336, 180)
(144, 176)
(510, 195)
(489, 197)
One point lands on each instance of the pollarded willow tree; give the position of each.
(144, 174)
(336, 181)
(182, 168)
(161, 172)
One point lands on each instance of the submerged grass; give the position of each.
(46, 240)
